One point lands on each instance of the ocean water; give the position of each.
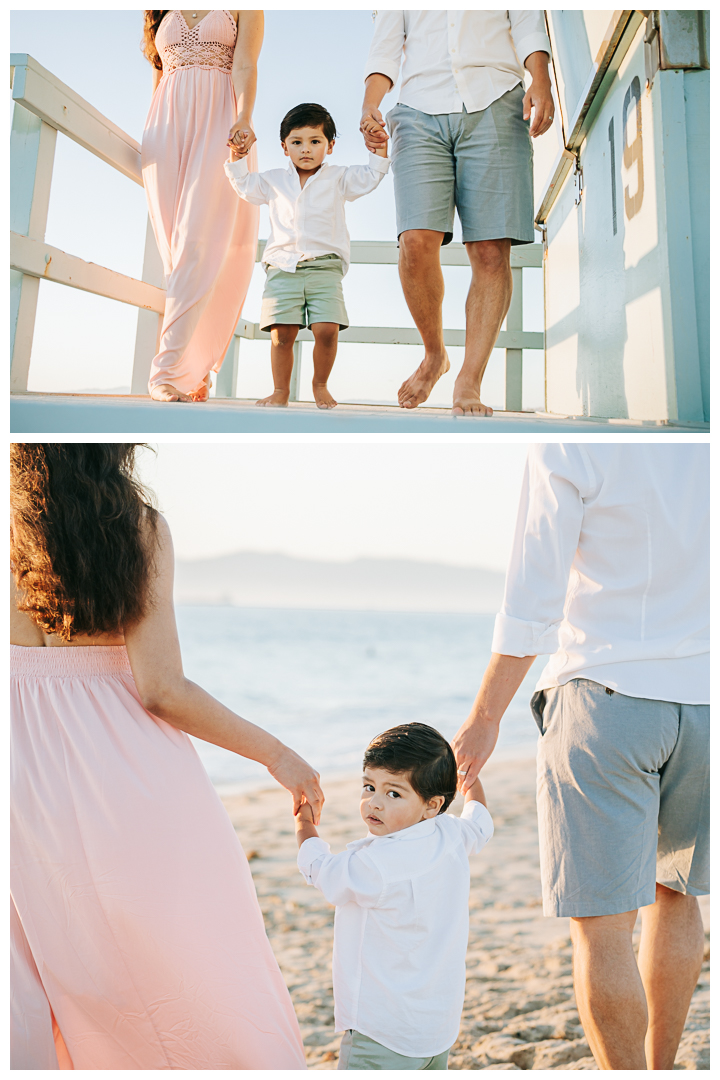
(327, 682)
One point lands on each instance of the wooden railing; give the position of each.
(43, 106)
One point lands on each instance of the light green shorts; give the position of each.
(313, 294)
(360, 1052)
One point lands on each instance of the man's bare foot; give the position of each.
(202, 392)
(468, 403)
(323, 397)
(278, 398)
(418, 387)
(166, 392)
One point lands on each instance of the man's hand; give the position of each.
(472, 746)
(372, 129)
(539, 96)
(475, 741)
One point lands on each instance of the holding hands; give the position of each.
(300, 779)
(240, 139)
(372, 128)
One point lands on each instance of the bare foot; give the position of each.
(202, 392)
(277, 398)
(323, 397)
(166, 392)
(417, 388)
(466, 402)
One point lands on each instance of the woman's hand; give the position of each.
(300, 779)
(242, 136)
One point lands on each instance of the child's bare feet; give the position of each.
(323, 397)
(277, 398)
(166, 392)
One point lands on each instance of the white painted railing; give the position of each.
(44, 106)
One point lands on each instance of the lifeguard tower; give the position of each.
(622, 208)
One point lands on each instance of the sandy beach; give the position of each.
(519, 1006)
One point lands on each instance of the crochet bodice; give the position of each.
(210, 43)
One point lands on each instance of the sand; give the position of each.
(519, 1005)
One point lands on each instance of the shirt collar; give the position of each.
(422, 828)
(293, 171)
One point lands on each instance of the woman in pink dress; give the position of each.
(204, 84)
(137, 938)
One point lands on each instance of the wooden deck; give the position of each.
(35, 414)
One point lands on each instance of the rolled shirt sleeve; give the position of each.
(557, 479)
(250, 186)
(529, 33)
(360, 180)
(344, 878)
(386, 47)
(477, 826)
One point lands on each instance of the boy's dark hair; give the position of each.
(422, 753)
(308, 115)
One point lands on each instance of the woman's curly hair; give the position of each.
(150, 29)
(83, 536)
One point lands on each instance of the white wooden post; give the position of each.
(227, 376)
(149, 324)
(32, 153)
(295, 376)
(514, 357)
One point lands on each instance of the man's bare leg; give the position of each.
(487, 305)
(282, 339)
(609, 991)
(324, 353)
(671, 953)
(424, 287)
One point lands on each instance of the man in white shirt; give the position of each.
(401, 897)
(609, 577)
(461, 140)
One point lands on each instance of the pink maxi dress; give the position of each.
(206, 236)
(137, 938)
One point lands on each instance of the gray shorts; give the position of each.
(358, 1051)
(479, 162)
(623, 799)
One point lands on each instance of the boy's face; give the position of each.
(390, 803)
(307, 147)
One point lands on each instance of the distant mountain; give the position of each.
(251, 579)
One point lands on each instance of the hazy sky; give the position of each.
(452, 502)
(85, 342)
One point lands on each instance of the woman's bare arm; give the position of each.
(157, 76)
(250, 30)
(154, 652)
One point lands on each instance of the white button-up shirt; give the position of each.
(609, 569)
(310, 221)
(455, 58)
(401, 928)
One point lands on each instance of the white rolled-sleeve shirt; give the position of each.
(310, 221)
(609, 571)
(401, 928)
(455, 58)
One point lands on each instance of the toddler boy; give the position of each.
(308, 251)
(401, 897)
